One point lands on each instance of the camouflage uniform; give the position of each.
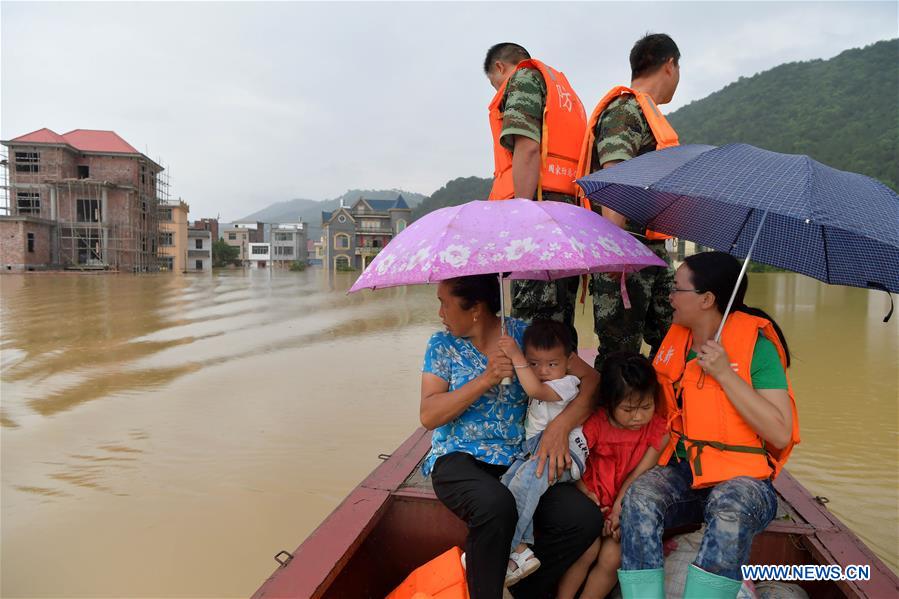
(622, 133)
(522, 109)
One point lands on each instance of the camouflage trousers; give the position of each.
(552, 300)
(649, 316)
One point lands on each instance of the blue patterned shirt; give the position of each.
(492, 428)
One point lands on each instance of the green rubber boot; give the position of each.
(705, 585)
(642, 584)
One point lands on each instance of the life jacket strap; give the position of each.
(699, 445)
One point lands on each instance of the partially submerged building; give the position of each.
(173, 225)
(288, 241)
(208, 224)
(86, 199)
(199, 250)
(315, 250)
(352, 237)
(260, 255)
(240, 235)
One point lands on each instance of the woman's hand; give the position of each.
(767, 411)
(553, 450)
(714, 360)
(499, 366)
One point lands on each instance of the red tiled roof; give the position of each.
(90, 140)
(42, 136)
(85, 140)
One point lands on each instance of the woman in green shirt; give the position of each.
(731, 407)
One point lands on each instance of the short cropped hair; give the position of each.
(651, 52)
(505, 52)
(548, 334)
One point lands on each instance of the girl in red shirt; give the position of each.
(625, 437)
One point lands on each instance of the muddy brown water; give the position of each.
(166, 435)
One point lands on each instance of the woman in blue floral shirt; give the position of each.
(478, 427)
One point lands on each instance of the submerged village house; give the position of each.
(85, 199)
(352, 237)
(183, 248)
(241, 235)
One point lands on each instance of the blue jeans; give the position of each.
(521, 479)
(734, 512)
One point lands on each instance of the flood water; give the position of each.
(166, 435)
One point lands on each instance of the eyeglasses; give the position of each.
(676, 290)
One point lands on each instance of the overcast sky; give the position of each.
(253, 103)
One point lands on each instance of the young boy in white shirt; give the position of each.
(542, 370)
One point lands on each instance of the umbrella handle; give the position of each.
(502, 319)
(733, 295)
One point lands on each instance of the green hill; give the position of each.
(843, 112)
(455, 192)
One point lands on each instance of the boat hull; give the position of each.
(392, 523)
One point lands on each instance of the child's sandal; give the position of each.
(526, 563)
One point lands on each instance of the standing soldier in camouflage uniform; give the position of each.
(626, 124)
(517, 114)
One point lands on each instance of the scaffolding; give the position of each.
(4, 184)
(95, 224)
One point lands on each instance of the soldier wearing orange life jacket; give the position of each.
(625, 124)
(537, 124)
(733, 423)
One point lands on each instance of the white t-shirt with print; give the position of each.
(540, 413)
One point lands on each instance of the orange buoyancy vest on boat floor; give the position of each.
(664, 134)
(441, 578)
(564, 122)
(720, 444)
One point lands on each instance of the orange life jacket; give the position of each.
(441, 578)
(720, 444)
(662, 130)
(564, 122)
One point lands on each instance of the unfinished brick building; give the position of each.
(86, 199)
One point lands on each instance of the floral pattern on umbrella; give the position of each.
(530, 240)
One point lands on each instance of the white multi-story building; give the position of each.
(288, 244)
(260, 255)
(199, 250)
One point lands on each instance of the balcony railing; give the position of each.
(367, 251)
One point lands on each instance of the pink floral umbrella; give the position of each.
(529, 240)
